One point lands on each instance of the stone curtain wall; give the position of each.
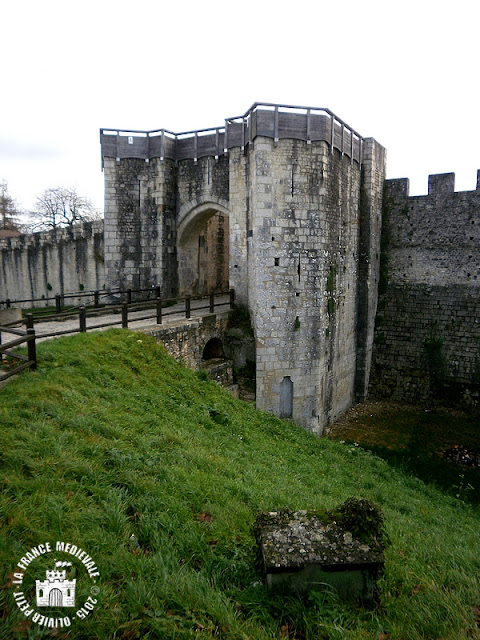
(427, 336)
(52, 262)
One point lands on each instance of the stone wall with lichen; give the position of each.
(427, 331)
(306, 254)
(41, 265)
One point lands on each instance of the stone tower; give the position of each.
(298, 194)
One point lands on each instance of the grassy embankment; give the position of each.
(110, 437)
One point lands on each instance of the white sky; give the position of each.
(405, 73)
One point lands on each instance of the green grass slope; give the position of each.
(110, 437)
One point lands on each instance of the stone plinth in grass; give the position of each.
(303, 552)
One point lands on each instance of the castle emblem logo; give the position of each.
(56, 590)
(55, 595)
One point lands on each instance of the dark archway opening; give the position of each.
(203, 252)
(213, 350)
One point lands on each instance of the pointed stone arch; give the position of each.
(202, 247)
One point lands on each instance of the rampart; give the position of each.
(46, 263)
(427, 337)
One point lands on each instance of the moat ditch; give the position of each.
(438, 445)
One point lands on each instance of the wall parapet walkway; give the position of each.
(278, 122)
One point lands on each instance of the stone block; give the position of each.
(302, 551)
(441, 183)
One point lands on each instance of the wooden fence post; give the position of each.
(58, 303)
(187, 306)
(159, 310)
(232, 298)
(82, 318)
(96, 299)
(129, 296)
(32, 350)
(212, 302)
(124, 315)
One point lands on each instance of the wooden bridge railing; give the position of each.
(25, 337)
(59, 300)
(156, 310)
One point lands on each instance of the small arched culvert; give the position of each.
(213, 350)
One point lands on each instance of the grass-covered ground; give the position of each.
(415, 439)
(110, 438)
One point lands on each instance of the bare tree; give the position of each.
(61, 207)
(9, 211)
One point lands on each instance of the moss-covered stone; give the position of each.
(302, 549)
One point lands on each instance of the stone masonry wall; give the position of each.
(427, 335)
(187, 341)
(140, 223)
(303, 273)
(53, 262)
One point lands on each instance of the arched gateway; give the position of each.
(298, 193)
(203, 249)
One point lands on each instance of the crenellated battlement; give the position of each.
(428, 326)
(434, 237)
(439, 184)
(62, 260)
(53, 576)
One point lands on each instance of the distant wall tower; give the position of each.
(301, 192)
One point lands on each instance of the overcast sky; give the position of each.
(405, 73)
